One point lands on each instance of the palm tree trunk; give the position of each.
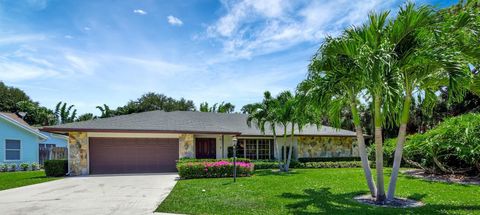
(362, 149)
(290, 148)
(379, 150)
(402, 133)
(285, 168)
(280, 167)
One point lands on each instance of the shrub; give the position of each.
(296, 164)
(265, 164)
(56, 168)
(216, 169)
(24, 166)
(34, 166)
(451, 147)
(328, 159)
(339, 164)
(388, 152)
(190, 160)
(13, 167)
(4, 167)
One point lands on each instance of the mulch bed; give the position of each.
(397, 203)
(448, 178)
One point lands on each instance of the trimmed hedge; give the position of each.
(194, 160)
(339, 164)
(328, 159)
(56, 168)
(296, 164)
(217, 169)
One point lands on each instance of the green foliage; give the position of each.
(24, 166)
(105, 111)
(64, 113)
(219, 108)
(56, 168)
(10, 97)
(34, 166)
(190, 160)
(309, 164)
(4, 167)
(388, 152)
(153, 101)
(452, 146)
(85, 117)
(328, 159)
(13, 167)
(217, 169)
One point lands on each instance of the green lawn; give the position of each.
(10, 180)
(312, 191)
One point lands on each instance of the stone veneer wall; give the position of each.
(326, 147)
(186, 146)
(78, 153)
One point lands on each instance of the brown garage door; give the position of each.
(132, 155)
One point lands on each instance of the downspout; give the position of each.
(223, 146)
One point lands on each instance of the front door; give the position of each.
(205, 148)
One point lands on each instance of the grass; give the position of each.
(10, 180)
(312, 191)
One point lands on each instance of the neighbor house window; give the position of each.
(255, 149)
(12, 150)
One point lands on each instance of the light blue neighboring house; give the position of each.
(19, 142)
(54, 140)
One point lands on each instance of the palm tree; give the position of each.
(374, 57)
(425, 65)
(105, 111)
(285, 115)
(334, 82)
(264, 114)
(64, 114)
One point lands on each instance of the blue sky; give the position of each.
(88, 53)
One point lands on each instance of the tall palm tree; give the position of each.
(425, 65)
(375, 57)
(264, 115)
(285, 115)
(334, 82)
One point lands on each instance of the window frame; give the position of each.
(19, 150)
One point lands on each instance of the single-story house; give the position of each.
(19, 141)
(153, 141)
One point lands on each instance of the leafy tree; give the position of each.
(10, 98)
(219, 108)
(85, 117)
(65, 114)
(154, 101)
(35, 114)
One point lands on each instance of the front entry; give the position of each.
(205, 148)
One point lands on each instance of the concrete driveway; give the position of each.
(110, 194)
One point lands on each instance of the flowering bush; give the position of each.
(216, 169)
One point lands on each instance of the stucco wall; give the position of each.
(28, 142)
(326, 147)
(78, 153)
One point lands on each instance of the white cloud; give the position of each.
(21, 38)
(250, 28)
(87, 28)
(140, 11)
(68, 36)
(174, 21)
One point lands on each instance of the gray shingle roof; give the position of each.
(188, 121)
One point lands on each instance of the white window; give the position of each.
(12, 150)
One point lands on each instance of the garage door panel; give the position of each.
(132, 155)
